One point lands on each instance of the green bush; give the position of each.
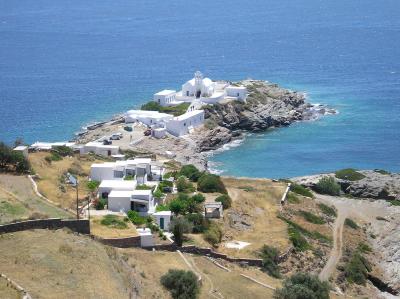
(299, 242)
(199, 198)
(328, 185)
(175, 110)
(63, 150)
(151, 106)
(299, 189)
(382, 171)
(166, 186)
(327, 210)
(54, 156)
(143, 187)
(356, 270)
(129, 178)
(136, 218)
(179, 226)
(183, 185)
(312, 218)
(191, 172)
(113, 221)
(182, 284)
(225, 200)
(213, 234)
(349, 174)
(364, 248)
(200, 224)
(270, 257)
(158, 194)
(350, 223)
(292, 198)
(100, 203)
(303, 286)
(208, 183)
(93, 185)
(11, 160)
(395, 202)
(160, 208)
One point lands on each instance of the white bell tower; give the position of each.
(198, 82)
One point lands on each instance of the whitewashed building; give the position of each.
(181, 125)
(236, 92)
(99, 148)
(166, 97)
(149, 118)
(23, 149)
(163, 219)
(141, 201)
(107, 186)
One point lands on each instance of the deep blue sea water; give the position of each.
(64, 64)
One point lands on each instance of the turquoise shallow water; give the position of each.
(66, 64)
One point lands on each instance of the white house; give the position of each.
(163, 219)
(23, 149)
(159, 133)
(99, 148)
(166, 97)
(141, 201)
(107, 186)
(236, 92)
(149, 118)
(181, 125)
(49, 145)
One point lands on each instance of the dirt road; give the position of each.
(363, 210)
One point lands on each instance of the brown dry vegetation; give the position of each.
(19, 202)
(51, 183)
(252, 217)
(100, 230)
(59, 264)
(7, 291)
(314, 259)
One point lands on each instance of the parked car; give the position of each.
(116, 136)
(147, 132)
(107, 142)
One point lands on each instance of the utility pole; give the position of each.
(77, 207)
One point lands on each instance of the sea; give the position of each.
(67, 64)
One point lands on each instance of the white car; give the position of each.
(116, 136)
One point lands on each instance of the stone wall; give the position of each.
(80, 226)
(120, 242)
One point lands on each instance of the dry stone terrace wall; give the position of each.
(80, 226)
(120, 242)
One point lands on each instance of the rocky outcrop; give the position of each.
(267, 106)
(375, 184)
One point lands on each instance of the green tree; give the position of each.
(191, 172)
(303, 286)
(211, 183)
(183, 185)
(225, 200)
(213, 234)
(180, 226)
(182, 284)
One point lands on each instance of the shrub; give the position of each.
(113, 221)
(129, 178)
(328, 185)
(143, 187)
(151, 106)
(211, 183)
(299, 242)
(54, 156)
(93, 185)
(179, 226)
(292, 198)
(225, 200)
(158, 194)
(395, 202)
(100, 203)
(301, 286)
(63, 150)
(364, 248)
(191, 172)
(10, 158)
(270, 257)
(199, 198)
(200, 224)
(183, 185)
(312, 218)
(349, 174)
(182, 284)
(350, 223)
(327, 210)
(166, 186)
(382, 171)
(356, 270)
(213, 234)
(299, 189)
(160, 208)
(135, 218)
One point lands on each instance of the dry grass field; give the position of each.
(51, 183)
(253, 216)
(7, 292)
(59, 264)
(103, 231)
(19, 202)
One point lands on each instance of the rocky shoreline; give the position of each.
(268, 106)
